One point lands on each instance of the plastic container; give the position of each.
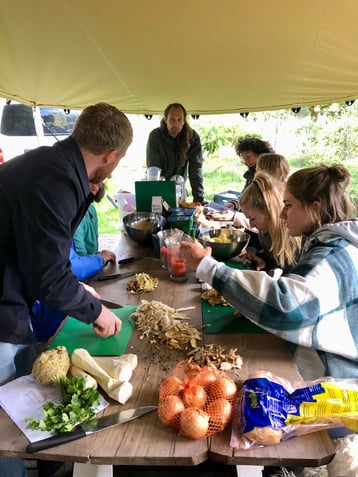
(181, 212)
(185, 223)
(160, 247)
(176, 263)
(126, 204)
(227, 196)
(153, 173)
(182, 218)
(179, 188)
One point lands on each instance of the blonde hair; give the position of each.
(264, 194)
(102, 127)
(274, 164)
(326, 185)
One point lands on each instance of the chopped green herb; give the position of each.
(78, 405)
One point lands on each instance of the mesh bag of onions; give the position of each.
(196, 400)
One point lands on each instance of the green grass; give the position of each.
(353, 189)
(221, 174)
(108, 216)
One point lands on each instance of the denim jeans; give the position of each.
(9, 370)
(8, 352)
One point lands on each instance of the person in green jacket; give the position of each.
(86, 235)
(175, 148)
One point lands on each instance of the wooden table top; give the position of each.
(146, 441)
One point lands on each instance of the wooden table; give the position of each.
(146, 441)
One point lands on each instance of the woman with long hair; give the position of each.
(261, 203)
(318, 298)
(278, 168)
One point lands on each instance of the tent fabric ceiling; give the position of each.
(212, 56)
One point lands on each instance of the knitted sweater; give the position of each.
(315, 305)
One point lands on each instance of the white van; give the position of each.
(24, 127)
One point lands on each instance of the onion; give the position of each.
(223, 387)
(191, 370)
(170, 385)
(194, 423)
(220, 413)
(194, 395)
(169, 410)
(206, 376)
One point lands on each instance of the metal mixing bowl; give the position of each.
(140, 226)
(228, 244)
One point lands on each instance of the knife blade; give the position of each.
(101, 278)
(129, 259)
(110, 304)
(89, 427)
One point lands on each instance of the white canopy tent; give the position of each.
(212, 56)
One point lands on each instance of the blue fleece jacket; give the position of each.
(46, 320)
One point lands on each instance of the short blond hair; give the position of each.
(102, 127)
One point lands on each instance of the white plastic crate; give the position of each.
(126, 204)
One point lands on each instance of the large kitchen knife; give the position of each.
(89, 427)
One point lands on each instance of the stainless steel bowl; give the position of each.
(228, 244)
(140, 226)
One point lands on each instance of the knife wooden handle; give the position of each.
(57, 440)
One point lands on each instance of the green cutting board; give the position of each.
(76, 334)
(221, 319)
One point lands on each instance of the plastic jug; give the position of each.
(153, 173)
(179, 188)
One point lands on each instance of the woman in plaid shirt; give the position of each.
(316, 303)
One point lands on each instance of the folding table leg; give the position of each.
(249, 471)
(92, 470)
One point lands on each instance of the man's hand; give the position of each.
(107, 255)
(107, 324)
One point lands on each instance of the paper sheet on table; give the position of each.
(24, 397)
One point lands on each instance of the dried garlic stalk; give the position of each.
(142, 283)
(216, 355)
(161, 323)
(214, 297)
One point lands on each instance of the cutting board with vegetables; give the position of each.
(76, 334)
(221, 319)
